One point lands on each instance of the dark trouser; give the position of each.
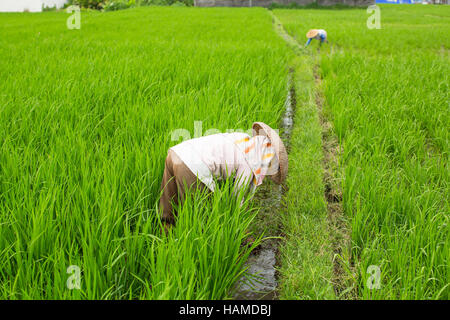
(177, 178)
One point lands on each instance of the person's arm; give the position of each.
(308, 42)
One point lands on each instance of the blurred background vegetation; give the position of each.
(111, 5)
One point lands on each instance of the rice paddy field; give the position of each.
(88, 115)
(386, 93)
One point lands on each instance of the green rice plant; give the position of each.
(386, 92)
(87, 118)
(202, 255)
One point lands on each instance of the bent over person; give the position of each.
(198, 163)
(318, 34)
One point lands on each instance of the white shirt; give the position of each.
(218, 156)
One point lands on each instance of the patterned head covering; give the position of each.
(260, 155)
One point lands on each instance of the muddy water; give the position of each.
(261, 263)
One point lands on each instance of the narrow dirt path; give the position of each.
(339, 230)
(279, 29)
(338, 224)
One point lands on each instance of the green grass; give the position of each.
(306, 260)
(87, 117)
(386, 92)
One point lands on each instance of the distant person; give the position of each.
(318, 34)
(197, 163)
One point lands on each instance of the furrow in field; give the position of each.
(263, 262)
(306, 268)
(339, 227)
